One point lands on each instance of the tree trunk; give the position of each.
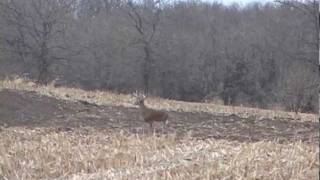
(147, 68)
(44, 55)
(43, 67)
(319, 53)
(43, 71)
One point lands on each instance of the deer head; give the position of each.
(139, 98)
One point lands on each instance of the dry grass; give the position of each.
(90, 154)
(111, 98)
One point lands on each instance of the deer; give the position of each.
(150, 115)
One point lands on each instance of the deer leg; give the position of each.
(165, 123)
(163, 126)
(152, 128)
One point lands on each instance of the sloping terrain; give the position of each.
(24, 108)
(45, 136)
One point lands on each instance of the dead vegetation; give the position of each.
(82, 141)
(91, 154)
(112, 98)
(29, 109)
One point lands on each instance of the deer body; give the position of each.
(150, 115)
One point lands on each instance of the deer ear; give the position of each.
(135, 94)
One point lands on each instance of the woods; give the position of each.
(260, 55)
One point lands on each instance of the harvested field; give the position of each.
(22, 108)
(49, 132)
(116, 99)
(87, 153)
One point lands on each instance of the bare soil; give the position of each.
(29, 109)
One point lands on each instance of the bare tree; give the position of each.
(188, 50)
(311, 9)
(145, 19)
(38, 25)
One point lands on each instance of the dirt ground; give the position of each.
(29, 109)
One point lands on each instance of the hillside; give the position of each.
(100, 135)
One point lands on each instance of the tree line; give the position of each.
(260, 55)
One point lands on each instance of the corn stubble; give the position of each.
(89, 154)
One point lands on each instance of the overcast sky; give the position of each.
(228, 2)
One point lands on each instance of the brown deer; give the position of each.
(150, 115)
